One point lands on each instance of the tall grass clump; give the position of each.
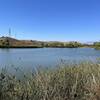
(67, 82)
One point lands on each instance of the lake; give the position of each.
(29, 58)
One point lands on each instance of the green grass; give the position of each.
(66, 82)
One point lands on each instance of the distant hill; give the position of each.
(9, 38)
(15, 43)
(4, 41)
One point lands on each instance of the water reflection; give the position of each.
(29, 58)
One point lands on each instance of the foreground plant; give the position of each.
(67, 82)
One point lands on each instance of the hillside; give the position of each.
(15, 43)
(8, 41)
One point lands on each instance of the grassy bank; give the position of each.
(97, 48)
(66, 82)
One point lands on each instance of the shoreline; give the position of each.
(46, 47)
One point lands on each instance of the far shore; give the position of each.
(5, 47)
(8, 42)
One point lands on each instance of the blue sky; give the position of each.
(61, 20)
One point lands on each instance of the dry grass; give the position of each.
(68, 82)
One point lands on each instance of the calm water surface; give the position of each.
(29, 58)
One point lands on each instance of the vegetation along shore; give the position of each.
(8, 42)
(66, 82)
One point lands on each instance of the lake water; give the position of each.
(29, 58)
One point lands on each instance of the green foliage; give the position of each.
(55, 44)
(73, 44)
(63, 44)
(97, 45)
